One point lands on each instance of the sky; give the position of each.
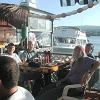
(88, 17)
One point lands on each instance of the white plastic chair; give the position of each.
(65, 92)
(84, 82)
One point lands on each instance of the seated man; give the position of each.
(30, 53)
(81, 65)
(9, 76)
(89, 49)
(28, 57)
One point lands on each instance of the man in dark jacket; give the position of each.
(89, 49)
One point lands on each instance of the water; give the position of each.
(95, 40)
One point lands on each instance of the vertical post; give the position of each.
(27, 34)
(52, 32)
(1, 51)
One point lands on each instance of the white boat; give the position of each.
(66, 38)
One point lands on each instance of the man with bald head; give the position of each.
(30, 53)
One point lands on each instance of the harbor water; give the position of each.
(95, 40)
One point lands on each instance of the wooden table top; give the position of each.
(40, 69)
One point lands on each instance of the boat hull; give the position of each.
(63, 50)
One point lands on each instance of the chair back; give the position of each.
(67, 95)
(87, 76)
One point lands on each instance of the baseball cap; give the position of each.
(11, 44)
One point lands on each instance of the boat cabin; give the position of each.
(66, 38)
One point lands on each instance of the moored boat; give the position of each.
(66, 38)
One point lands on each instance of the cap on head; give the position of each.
(11, 44)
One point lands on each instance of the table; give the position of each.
(45, 69)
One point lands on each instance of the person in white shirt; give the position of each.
(32, 37)
(10, 53)
(9, 76)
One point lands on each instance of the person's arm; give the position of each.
(95, 66)
(18, 59)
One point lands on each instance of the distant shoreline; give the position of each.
(91, 35)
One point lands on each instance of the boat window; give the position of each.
(73, 40)
(81, 42)
(78, 42)
(84, 42)
(61, 40)
(70, 40)
(65, 40)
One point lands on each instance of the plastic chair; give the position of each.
(66, 92)
(66, 95)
